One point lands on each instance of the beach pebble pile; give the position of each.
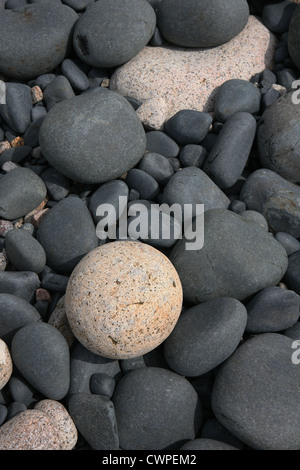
(125, 326)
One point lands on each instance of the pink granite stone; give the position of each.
(168, 79)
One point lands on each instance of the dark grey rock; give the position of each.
(256, 218)
(58, 90)
(278, 138)
(76, 76)
(41, 36)
(206, 444)
(57, 185)
(78, 5)
(188, 126)
(132, 363)
(54, 282)
(276, 198)
(96, 76)
(85, 364)
(272, 310)
(277, 16)
(21, 283)
(41, 354)
(292, 275)
(17, 110)
(193, 155)
(102, 384)
(44, 80)
(257, 390)
(192, 186)
(235, 96)
(111, 33)
(114, 139)
(38, 112)
(237, 206)
(109, 193)
(293, 332)
(207, 29)
(21, 191)
(31, 136)
(15, 312)
(291, 244)
(24, 251)
(142, 182)
(21, 391)
(67, 233)
(228, 156)
(270, 97)
(237, 260)
(3, 410)
(159, 142)
(190, 349)
(15, 154)
(286, 78)
(213, 429)
(158, 166)
(95, 418)
(14, 408)
(155, 409)
(294, 36)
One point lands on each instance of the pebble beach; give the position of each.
(149, 226)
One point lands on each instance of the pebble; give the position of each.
(207, 29)
(17, 110)
(94, 416)
(246, 252)
(57, 185)
(110, 34)
(291, 244)
(293, 37)
(228, 157)
(277, 16)
(256, 218)
(192, 155)
(77, 78)
(21, 391)
(15, 312)
(254, 382)
(41, 354)
(148, 311)
(24, 251)
(14, 409)
(5, 363)
(142, 182)
(158, 167)
(50, 45)
(102, 384)
(20, 283)
(235, 96)
(67, 233)
(21, 191)
(188, 126)
(57, 90)
(103, 117)
(155, 409)
(161, 143)
(190, 349)
(108, 193)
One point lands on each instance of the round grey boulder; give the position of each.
(200, 23)
(35, 38)
(93, 138)
(257, 391)
(111, 33)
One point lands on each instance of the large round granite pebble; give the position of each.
(35, 38)
(257, 391)
(93, 138)
(200, 23)
(123, 299)
(238, 259)
(111, 33)
(6, 365)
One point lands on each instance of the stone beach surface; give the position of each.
(130, 132)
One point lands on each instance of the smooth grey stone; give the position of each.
(206, 444)
(15, 154)
(111, 33)
(108, 193)
(14, 409)
(293, 332)
(294, 36)
(155, 409)
(95, 419)
(31, 136)
(38, 112)
(192, 155)
(237, 206)
(192, 186)
(237, 260)
(276, 198)
(78, 4)
(21, 191)
(257, 390)
(292, 275)
(205, 29)
(24, 251)
(190, 349)
(269, 98)
(212, 429)
(85, 364)
(114, 138)
(77, 78)
(41, 354)
(188, 126)
(278, 138)
(159, 142)
(35, 39)
(102, 384)
(291, 244)
(256, 218)
(21, 283)
(58, 185)
(58, 90)
(15, 312)
(277, 16)
(3, 408)
(17, 110)
(44, 80)
(96, 76)
(235, 96)
(228, 156)
(11, 4)
(67, 233)
(142, 182)
(158, 166)
(54, 282)
(132, 363)
(272, 310)
(286, 78)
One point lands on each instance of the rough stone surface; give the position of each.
(6, 365)
(294, 36)
(123, 299)
(188, 78)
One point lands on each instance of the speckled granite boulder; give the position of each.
(188, 78)
(6, 365)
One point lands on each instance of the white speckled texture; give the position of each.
(123, 299)
(6, 365)
(179, 78)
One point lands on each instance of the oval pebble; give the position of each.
(24, 251)
(6, 364)
(129, 302)
(235, 96)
